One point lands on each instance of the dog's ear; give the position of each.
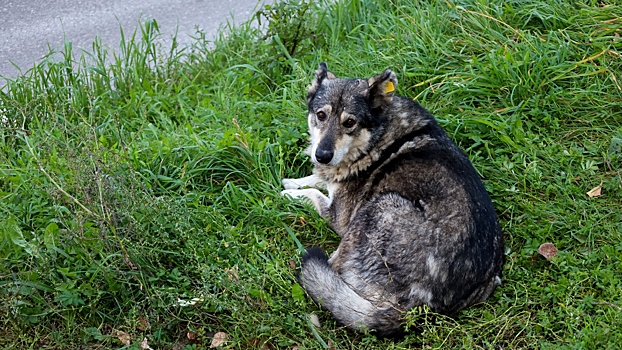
(320, 74)
(382, 88)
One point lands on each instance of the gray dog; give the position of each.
(416, 224)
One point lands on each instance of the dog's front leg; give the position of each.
(317, 198)
(308, 181)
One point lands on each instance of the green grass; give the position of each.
(132, 179)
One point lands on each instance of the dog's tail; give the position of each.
(349, 308)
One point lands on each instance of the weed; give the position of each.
(290, 27)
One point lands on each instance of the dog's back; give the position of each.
(416, 224)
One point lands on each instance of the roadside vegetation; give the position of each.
(139, 187)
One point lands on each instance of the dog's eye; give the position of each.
(349, 123)
(321, 116)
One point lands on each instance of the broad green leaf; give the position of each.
(49, 236)
(298, 294)
(11, 230)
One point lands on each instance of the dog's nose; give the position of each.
(323, 156)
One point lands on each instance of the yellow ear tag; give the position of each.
(389, 87)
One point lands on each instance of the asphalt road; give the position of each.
(28, 27)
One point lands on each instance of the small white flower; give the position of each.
(192, 301)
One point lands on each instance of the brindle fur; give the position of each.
(416, 223)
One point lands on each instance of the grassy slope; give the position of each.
(130, 181)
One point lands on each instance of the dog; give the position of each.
(417, 226)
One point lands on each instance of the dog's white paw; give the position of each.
(311, 196)
(289, 184)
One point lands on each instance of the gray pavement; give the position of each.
(28, 27)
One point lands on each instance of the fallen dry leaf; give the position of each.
(144, 345)
(219, 339)
(123, 337)
(129, 262)
(595, 192)
(315, 320)
(144, 323)
(191, 335)
(547, 250)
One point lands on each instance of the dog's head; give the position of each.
(344, 114)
